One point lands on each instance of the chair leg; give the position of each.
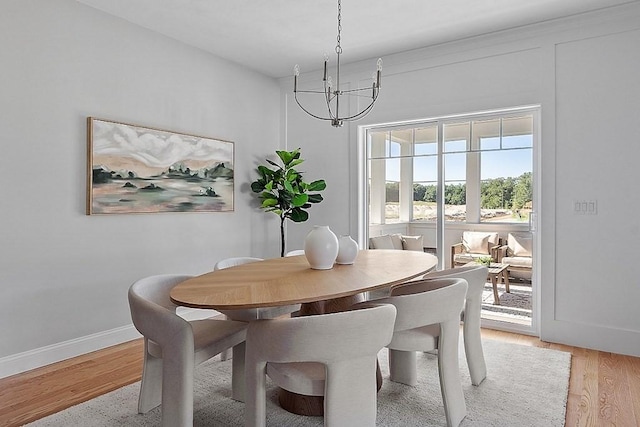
(225, 354)
(350, 393)
(237, 373)
(402, 367)
(473, 344)
(177, 387)
(151, 385)
(255, 398)
(455, 408)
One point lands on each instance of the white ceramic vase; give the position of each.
(347, 250)
(321, 247)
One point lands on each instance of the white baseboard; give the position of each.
(31, 359)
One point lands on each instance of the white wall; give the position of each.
(583, 72)
(65, 275)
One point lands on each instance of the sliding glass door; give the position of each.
(442, 177)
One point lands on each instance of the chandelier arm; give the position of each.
(309, 91)
(357, 95)
(329, 95)
(362, 113)
(328, 101)
(307, 111)
(328, 98)
(361, 89)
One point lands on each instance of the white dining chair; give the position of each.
(173, 346)
(423, 306)
(331, 355)
(476, 277)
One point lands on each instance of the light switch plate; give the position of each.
(585, 207)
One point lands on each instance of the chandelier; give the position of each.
(333, 93)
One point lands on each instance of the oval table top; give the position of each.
(290, 280)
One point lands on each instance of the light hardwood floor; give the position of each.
(604, 388)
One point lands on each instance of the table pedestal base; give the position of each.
(312, 406)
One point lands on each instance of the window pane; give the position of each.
(392, 169)
(377, 147)
(485, 134)
(393, 149)
(517, 132)
(426, 141)
(520, 141)
(506, 189)
(425, 169)
(512, 126)
(424, 201)
(377, 197)
(392, 205)
(455, 189)
(455, 201)
(392, 187)
(456, 136)
(490, 143)
(425, 174)
(505, 163)
(455, 146)
(455, 167)
(401, 138)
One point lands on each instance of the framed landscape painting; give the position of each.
(135, 169)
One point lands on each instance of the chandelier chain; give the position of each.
(338, 47)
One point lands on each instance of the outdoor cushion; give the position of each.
(519, 245)
(396, 239)
(381, 242)
(477, 242)
(412, 243)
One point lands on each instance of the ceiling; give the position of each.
(272, 36)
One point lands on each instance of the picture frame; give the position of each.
(138, 169)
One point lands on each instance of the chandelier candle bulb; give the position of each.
(296, 73)
(326, 59)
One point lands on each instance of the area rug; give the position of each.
(525, 386)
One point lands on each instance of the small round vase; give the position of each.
(347, 250)
(321, 247)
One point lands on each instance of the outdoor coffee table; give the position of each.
(496, 271)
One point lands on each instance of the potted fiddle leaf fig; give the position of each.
(282, 190)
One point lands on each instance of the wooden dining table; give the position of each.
(290, 280)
